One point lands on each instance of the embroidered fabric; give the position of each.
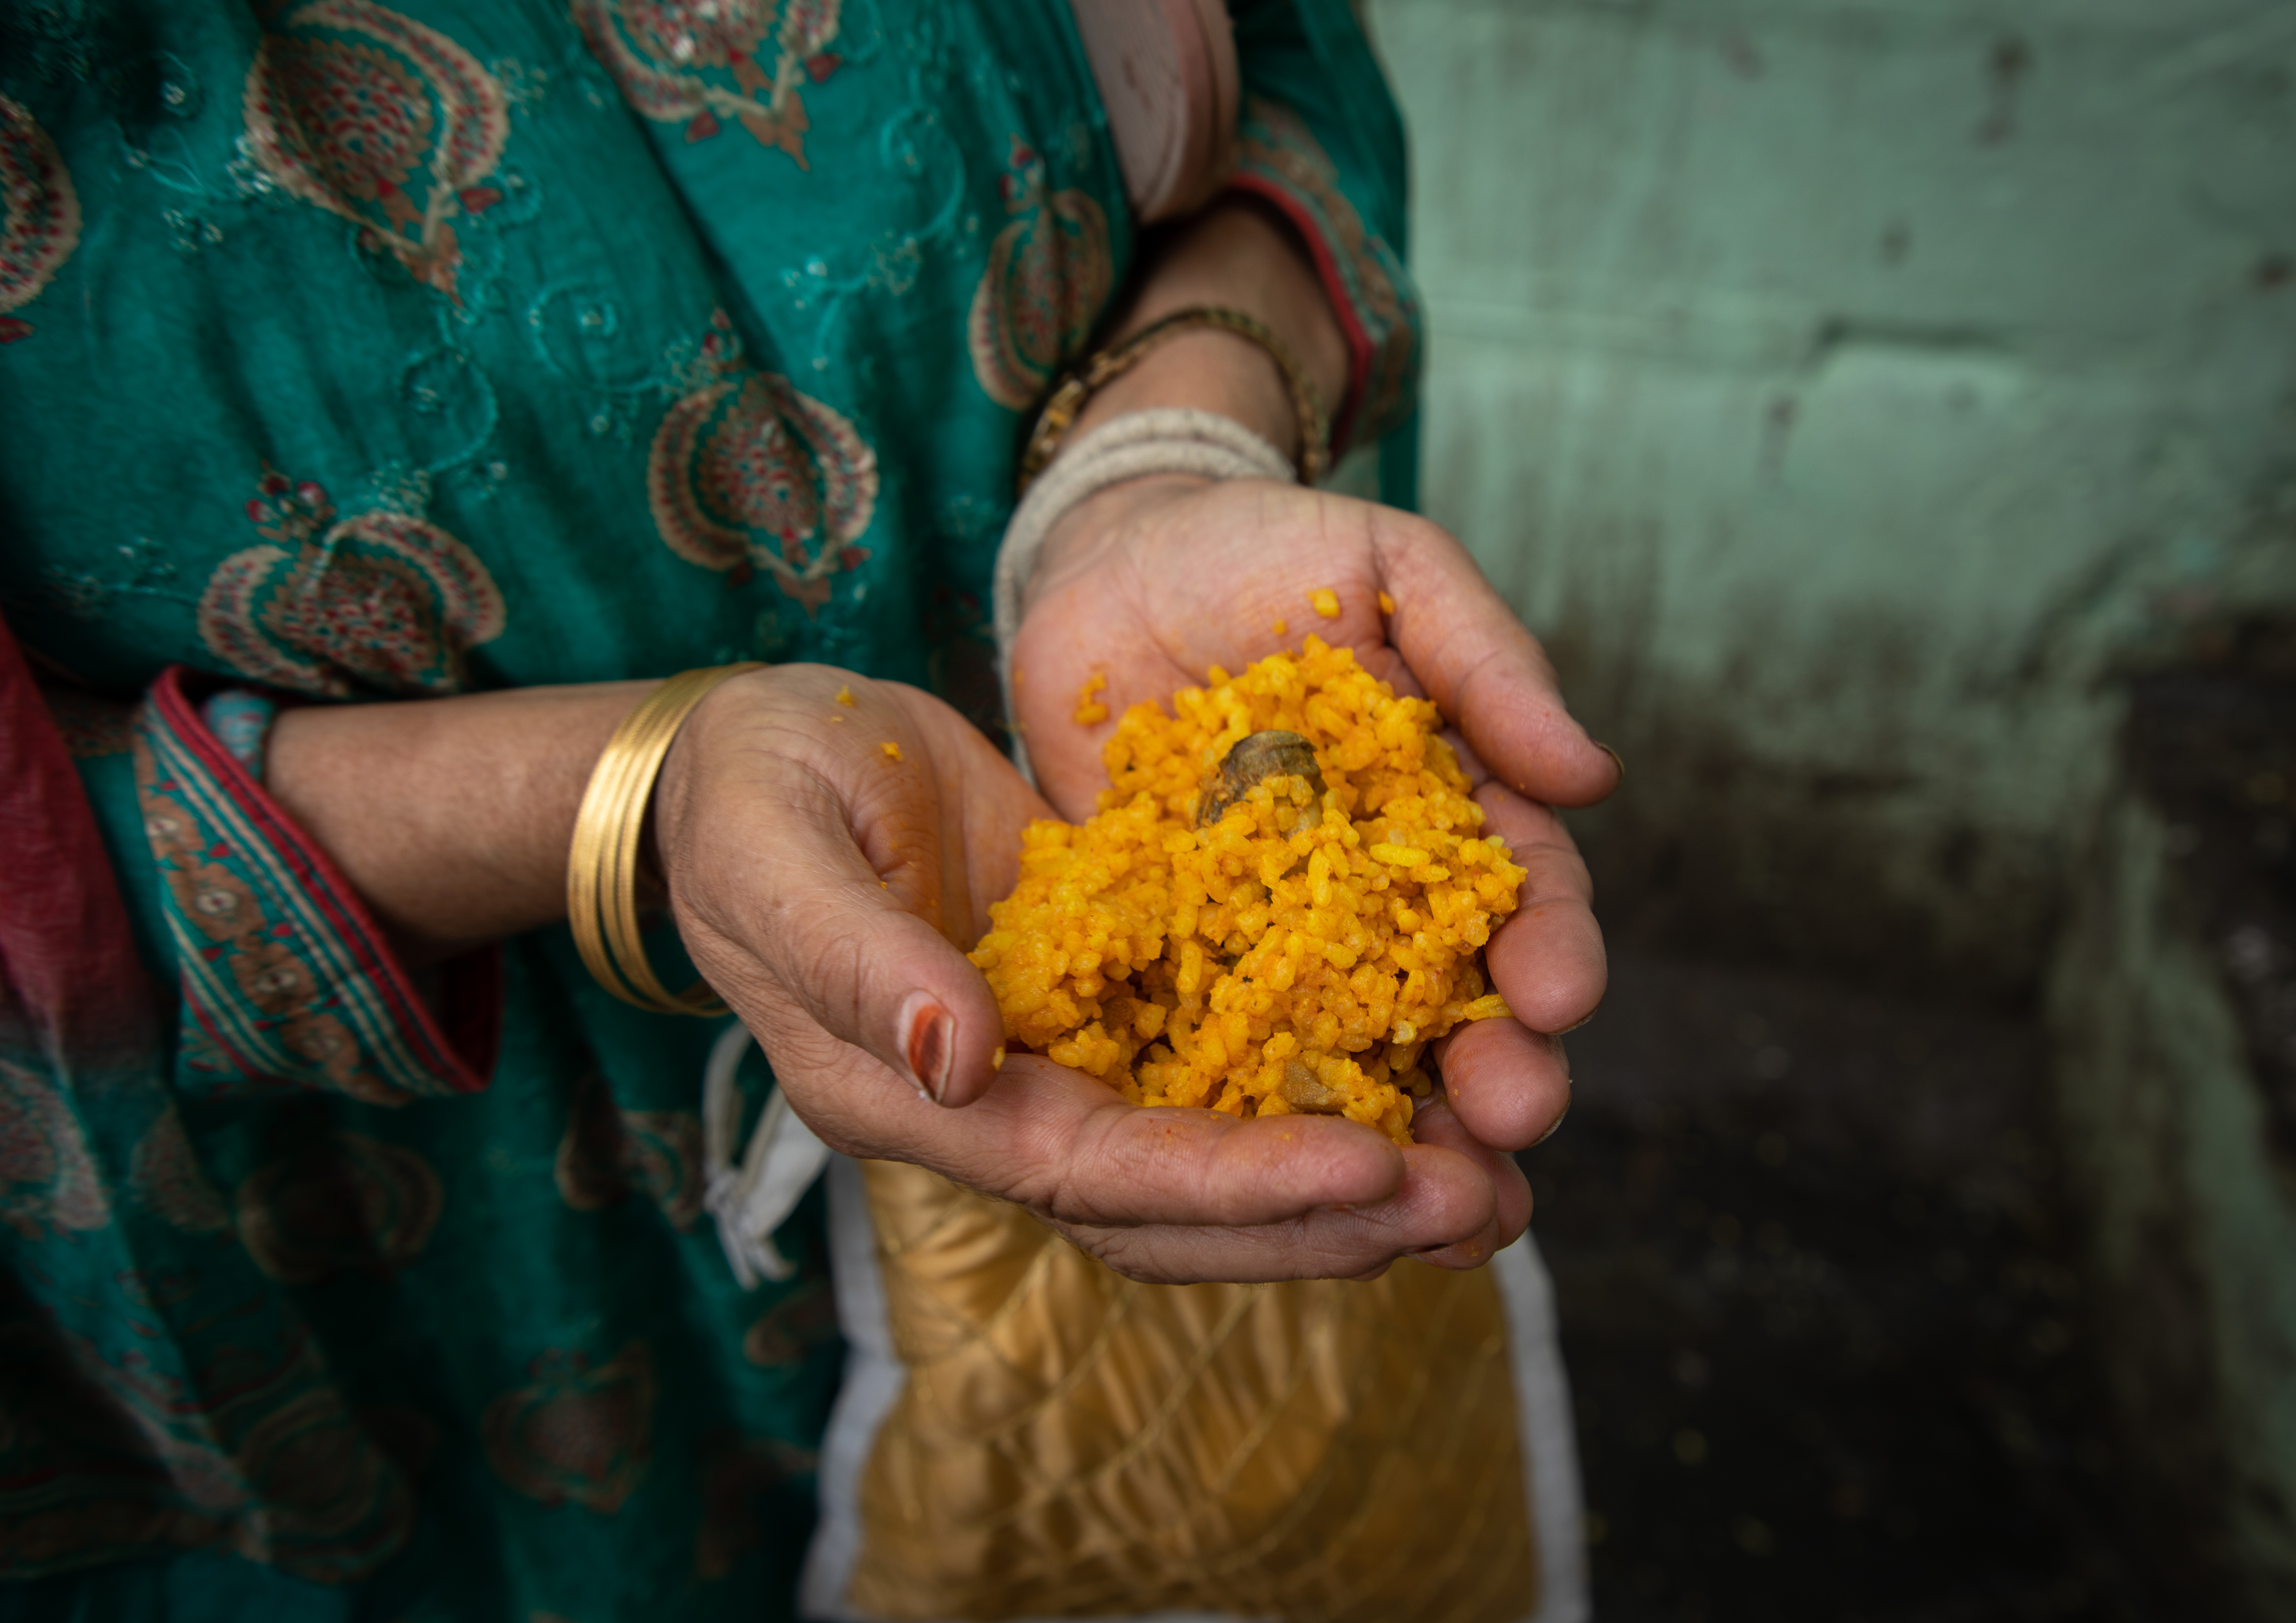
(544, 393)
(1171, 440)
(285, 976)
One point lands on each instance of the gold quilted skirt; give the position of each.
(1057, 1441)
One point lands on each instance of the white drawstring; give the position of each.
(751, 1202)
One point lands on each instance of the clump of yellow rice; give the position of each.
(1275, 962)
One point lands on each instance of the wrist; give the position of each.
(670, 813)
(1241, 254)
(1208, 370)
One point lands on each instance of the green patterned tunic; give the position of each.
(357, 353)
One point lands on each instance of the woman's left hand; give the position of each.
(1151, 583)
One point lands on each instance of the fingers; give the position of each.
(1071, 1149)
(1478, 662)
(840, 948)
(1508, 1081)
(1506, 1084)
(983, 806)
(805, 839)
(1447, 1200)
(1436, 1124)
(1547, 959)
(1181, 1196)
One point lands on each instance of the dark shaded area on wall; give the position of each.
(1858, 862)
(2213, 746)
(2175, 1007)
(1862, 1325)
(1830, 1351)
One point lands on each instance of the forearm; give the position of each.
(451, 817)
(1240, 254)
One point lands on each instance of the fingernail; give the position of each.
(1614, 755)
(929, 1043)
(1574, 1025)
(1557, 1127)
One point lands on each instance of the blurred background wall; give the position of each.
(1863, 398)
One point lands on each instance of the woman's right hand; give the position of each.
(827, 886)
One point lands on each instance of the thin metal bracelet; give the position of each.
(1077, 386)
(601, 868)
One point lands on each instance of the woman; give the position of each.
(392, 397)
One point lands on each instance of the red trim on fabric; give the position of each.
(332, 895)
(247, 1066)
(68, 969)
(1360, 348)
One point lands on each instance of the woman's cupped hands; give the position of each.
(1151, 583)
(831, 845)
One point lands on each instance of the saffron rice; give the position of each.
(1297, 957)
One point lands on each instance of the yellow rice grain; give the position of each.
(1089, 711)
(1267, 964)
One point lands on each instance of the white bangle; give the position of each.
(1200, 445)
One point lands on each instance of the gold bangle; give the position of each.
(601, 869)
(1076, 388)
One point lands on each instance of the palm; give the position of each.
(825, 885)
(1152, 585)
(1205, 579)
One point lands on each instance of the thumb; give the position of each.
(808, 887)
(1484, 669)
(860, 956)
(871, 974)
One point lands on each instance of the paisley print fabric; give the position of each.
(374, 352)
(376, 118)
(381, 602)
(575, 1433)
(1048, 277)
(608, 1154)
(171, 1183)
(698, 62)
(89, 725)
(283, 971)
(338, 1203)
(48, 1181)
(1279, 156)
(40, 224)
(746, 475)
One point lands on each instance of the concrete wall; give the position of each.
(2164, 1124)
(1852, 392)
(1843, 388)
